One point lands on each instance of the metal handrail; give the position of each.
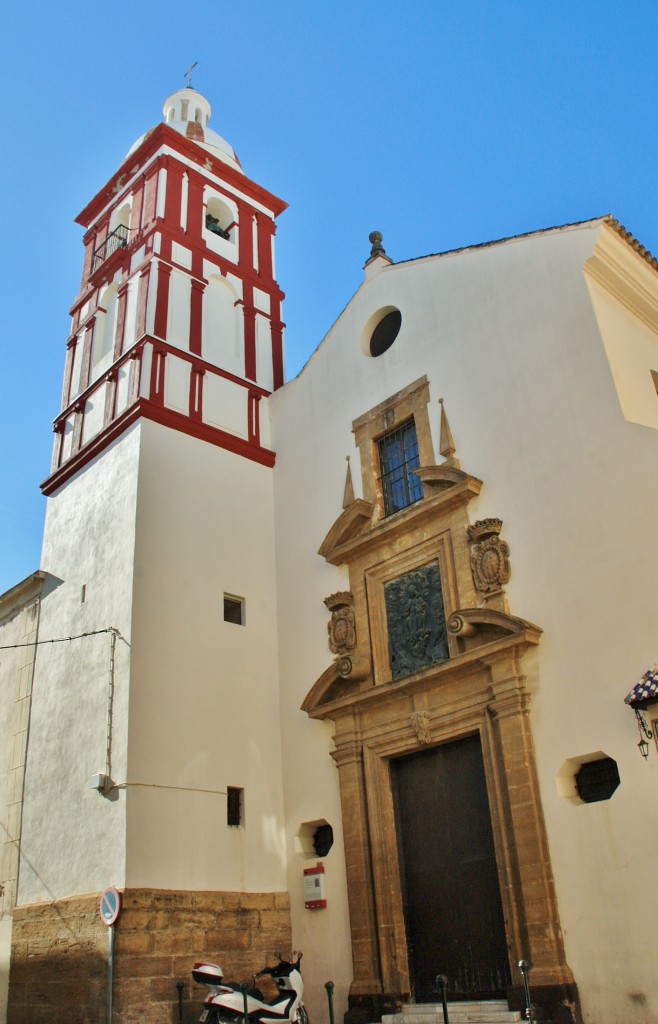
(442, 986)
(117, 239)
(524, 967)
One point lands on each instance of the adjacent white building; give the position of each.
(453, 758)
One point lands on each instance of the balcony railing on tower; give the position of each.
(117, 239)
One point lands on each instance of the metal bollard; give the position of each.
(442, 986)
(329, 985)
(244, 988)
(179, 987)
(524, 967)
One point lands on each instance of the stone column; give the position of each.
(533, 895)
(366, 990)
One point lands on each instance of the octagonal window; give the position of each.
(597, 780)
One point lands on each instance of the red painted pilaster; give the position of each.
(249, 316)
(277, 343)
(246, 253)
(174, 193)
(136, 209)
(150, 195)
(196, 316)
(277, 353)
(162, 301)
(194, 207)
(265, 233)
(90, 246)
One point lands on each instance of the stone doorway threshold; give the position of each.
(491, 1011)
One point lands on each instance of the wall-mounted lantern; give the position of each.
(642, 696)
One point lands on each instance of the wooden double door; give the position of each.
(453, 911)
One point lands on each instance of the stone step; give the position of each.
(494, 1011)
(458, 1016)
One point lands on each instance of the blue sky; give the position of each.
(439, 124)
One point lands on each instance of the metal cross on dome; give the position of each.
(188, 74)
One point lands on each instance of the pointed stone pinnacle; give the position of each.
(446, 441)
(348, 493)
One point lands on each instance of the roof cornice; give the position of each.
(138, 160)
(22, 593)
(626, 270)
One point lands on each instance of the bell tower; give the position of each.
(178, 319)
(157, 723)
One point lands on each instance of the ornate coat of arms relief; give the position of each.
(490, 563)
(342, 629)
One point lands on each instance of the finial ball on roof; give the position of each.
(375, 239)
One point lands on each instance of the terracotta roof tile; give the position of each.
(632, 241)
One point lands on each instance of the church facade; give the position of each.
(370, 630)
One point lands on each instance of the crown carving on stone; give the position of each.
(341, 627)
(484, 528)
(340, 599)
(490, 562)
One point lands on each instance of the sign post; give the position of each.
(108, 908)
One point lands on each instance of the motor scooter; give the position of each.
(225, 1002)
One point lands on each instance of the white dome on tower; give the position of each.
(188, 112)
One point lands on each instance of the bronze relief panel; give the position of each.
(416, 621)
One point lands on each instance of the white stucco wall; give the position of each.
(73, 838)
(204, 702)
(507, 336)
(19, 625)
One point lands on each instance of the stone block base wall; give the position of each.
(58, 963)
(59, 953)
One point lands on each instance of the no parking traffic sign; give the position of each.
(109, 906)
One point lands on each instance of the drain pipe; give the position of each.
(442, 986)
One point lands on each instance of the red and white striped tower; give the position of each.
(178, 319)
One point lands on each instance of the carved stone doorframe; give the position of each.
(485, 696)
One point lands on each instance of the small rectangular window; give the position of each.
(234, 806)
(234, 610)
(398, 456)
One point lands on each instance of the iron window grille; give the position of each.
(234, 806)
(398, 457)
(597, 780)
